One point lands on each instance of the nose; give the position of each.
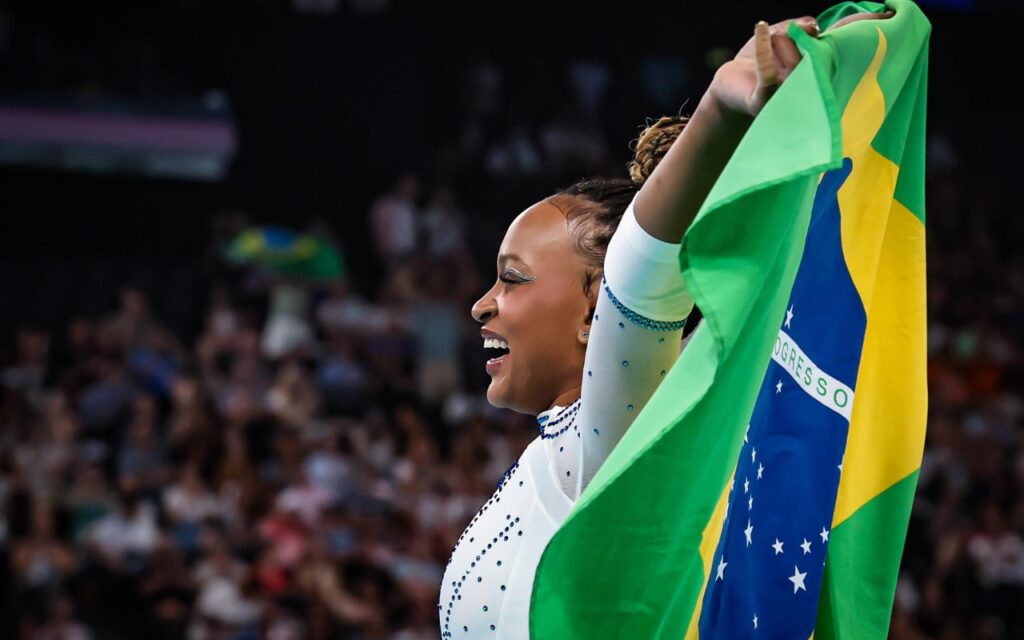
(485, 308)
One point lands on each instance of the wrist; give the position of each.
(721, 118)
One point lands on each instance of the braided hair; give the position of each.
(594, 207)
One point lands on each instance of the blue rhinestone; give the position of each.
(596, 432)
(485, 607)
(499, 563)
(636, 318)
(662, 372)
(622, 326)
(492, 627)
(660, 340)
(625, 363)
(502, 587)
(567, 473)
(590, 374)
(561, 449)
(629, 407)
(596, 316)
(479, 579)
(465, 628)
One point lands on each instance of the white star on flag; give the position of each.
(778, 387)
(806, 546)
(789, 316)
(755, 620)
(722, 564)
(745, 434)
(746, 485)
(777, 546)
(750, 503)
(798, 579)
(760, 470)
(749, 530)
(753, 455)
(840, 465)
(824, 534)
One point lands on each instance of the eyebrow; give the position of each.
(509, 256)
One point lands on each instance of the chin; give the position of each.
(500, 401)
(495, 397)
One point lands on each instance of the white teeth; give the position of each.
(494, 343)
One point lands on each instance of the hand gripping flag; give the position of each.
(764, 491)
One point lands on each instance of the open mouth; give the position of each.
(499, 348)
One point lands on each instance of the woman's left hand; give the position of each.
(743, 85)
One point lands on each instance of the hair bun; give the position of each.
(653, 144)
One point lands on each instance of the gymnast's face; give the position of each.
(538, 307)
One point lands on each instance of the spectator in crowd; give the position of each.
(394, 218)
(444, 225)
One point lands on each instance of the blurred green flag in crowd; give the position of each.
(765, 488)
(286, 253)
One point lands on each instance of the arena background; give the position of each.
(162, 477)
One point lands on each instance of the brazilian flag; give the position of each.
(765, 489)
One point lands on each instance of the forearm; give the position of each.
(670, 198)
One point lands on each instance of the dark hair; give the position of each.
(593, 207)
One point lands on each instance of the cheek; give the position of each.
(544, 333)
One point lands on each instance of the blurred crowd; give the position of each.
(254, 483)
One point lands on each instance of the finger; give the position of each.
(808, 24)
(764, 60)
(786, 53)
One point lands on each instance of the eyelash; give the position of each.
(509, 280)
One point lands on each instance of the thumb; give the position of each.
(765, 68)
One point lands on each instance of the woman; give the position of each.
(596, 263)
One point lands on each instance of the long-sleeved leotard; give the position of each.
(634, 339)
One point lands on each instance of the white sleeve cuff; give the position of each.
(643, 272)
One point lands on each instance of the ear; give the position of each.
(583, 333)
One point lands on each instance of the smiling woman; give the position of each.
(591, 309)
(590, 303)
